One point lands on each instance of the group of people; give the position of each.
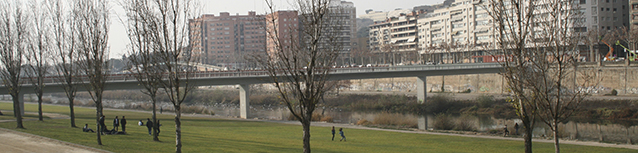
(116, 124)
(507, 132)
(343, 137)
(149, 125)
(104, 130)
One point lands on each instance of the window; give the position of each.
(593, 2)
(583, 1)
(594, 11)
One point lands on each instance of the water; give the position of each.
(601, 130)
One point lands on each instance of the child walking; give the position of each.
(343, 137)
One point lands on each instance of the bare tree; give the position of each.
(171, 17)
(38, 51)
(301, 60)
(64, 47)
(13, 43)
(593, 40)
(538, 40)
(554, 60)
(512, 35)
(630, 36)
(91, 26)
(143, 59)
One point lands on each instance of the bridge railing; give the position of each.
(250, 73)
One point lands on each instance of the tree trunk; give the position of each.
(156, 126)
(528, 137)
(556, 144)
(99, 127)
(40, 107)
(178, 130)
(17, 112)
(72, 112)
(306, 134)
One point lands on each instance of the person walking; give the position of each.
(102, 126)
(516, 128)
(333, 133)
(506, 132)
(149, 125)
(158, 127)
(343, 137)
(123, 122)
(116, 123)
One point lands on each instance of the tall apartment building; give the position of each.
(346, 12)
(396, 35)
(287, 24)
(227, 40)
(633, 13)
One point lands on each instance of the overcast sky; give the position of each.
(118, 39)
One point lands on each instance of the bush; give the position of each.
(465, 123)
(485, 101)
(614, 92)
(466, 91)
(363, 122)
(327, 119)
(443, 122)
(395, 119)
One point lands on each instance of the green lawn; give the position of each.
(215, 135)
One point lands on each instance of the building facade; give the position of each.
(395, 36)
(227, 41)
(463, 31)
(346, 14)
(282, 27)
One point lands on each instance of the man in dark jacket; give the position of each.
(149, 125)
(102, 125)
(116, 123)
(123, 122)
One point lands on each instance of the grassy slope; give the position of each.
(215, 135)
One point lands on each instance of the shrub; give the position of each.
(485, 101)
(327, 119)
(465, 123)
(614, 92)
(363, 122)
(466, 91)
(197, 110)
(443, 122)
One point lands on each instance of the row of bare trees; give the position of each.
(39, 33)
(158, 32)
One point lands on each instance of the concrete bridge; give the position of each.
(247, 78)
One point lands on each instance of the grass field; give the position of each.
(217, 135)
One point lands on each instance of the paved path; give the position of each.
(12, 141)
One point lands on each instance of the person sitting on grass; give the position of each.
(87, 129)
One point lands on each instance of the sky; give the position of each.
(118, 39)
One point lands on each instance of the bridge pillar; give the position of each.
(421, 89)
(244, 102)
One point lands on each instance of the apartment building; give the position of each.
(346, 14)
(398, 35)
(284, 29)
(227, 40)
(457, 33)
(463, 31)
(633, 17)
